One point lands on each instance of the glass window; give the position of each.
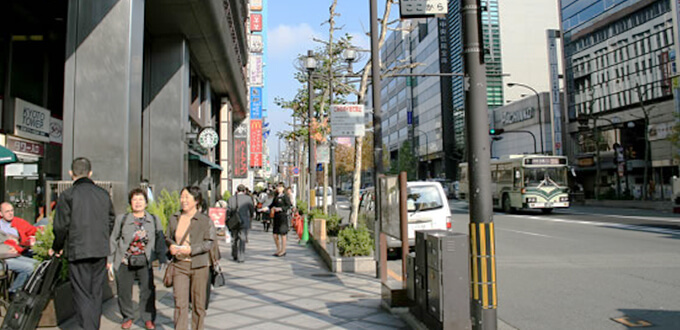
(423, 198)
(547, 176)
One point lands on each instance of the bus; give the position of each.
(525, 182)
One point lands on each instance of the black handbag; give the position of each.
(216, 276)
(137, 260)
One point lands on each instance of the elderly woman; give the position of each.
(190, 236)
(133, 249)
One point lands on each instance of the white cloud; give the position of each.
(285, 41)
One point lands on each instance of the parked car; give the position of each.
(328, 195)
(448, 187)
(427, 205)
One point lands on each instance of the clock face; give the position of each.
(208, 138)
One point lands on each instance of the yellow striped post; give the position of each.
(483, 259)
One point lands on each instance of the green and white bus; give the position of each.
(525, 182)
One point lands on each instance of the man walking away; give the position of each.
(240, 205)
(84, 218)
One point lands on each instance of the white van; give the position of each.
(427, 205)
(320, 196)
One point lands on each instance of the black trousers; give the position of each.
(88, 277)
(238, 243)
(147, 292)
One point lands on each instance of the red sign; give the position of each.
(256, 160)
(240, 158)
(255, 22)
(256, 143)
(24, 146)
(218, 215)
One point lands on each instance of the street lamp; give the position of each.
(427, 152)
(540, 113)
(310, 65)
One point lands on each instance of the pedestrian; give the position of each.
(134, 246)
(17, 236)
(241, 206)
(190, 236)
(84, 218)
(280, 206)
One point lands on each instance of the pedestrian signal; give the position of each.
(496, 131)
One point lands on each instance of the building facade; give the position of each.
(618, 65)
(129, 82)
(522, 126)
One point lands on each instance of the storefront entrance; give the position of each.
(21, 183)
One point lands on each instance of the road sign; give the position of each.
(347, 120)
(296, 171)
(422, 8)
(323, 153)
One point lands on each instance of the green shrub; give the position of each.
(43, 243)
(317, 214)
(355, 242)
(165, 206)
(333, 225)
(301, 206)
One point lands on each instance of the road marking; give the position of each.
(394, 275)
(604, 224)
(632, 323)
(526, 233)
(665, 219)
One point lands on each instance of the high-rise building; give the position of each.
(494, 67)
(618, 68)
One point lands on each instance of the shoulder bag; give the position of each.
(170, 270)
(234, 219)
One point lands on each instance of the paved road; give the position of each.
(581, 268)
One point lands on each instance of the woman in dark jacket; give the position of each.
(133, 248)
(190, 236)
(280, 206)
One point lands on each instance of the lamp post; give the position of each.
(540, 113)
(427, 152)
(310, 65)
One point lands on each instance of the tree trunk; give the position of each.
(356, 182)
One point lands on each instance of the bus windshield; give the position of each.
(534, 176)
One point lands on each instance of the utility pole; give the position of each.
(377, 115)
(310, 116)
(482, 246)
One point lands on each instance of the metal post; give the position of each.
(377, 111)
(403, 223)
(597, 153)
(310, 116)
(482, 247)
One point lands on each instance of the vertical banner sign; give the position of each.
(256, 5)
(675, 56)
(255, 103)
(256, 22)
(555, 93)
(256, 44)
(240, 158)
(255, 143)
(255, 70)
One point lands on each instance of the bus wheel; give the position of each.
(546, 211)
(506, 204)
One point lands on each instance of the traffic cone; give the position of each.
(305, 234)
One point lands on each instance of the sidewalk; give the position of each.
(266, 292)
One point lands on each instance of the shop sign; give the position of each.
(511, 117)
(218, 215)
(240, 158)
(255, 43)
(347, 120)
(255, 136)
(660, 131)
(255, 22)
(255, 70)
(31, 121)
(26, 147)
(242, 130)
(256, 5)
(56, 130)
(555, 91)
(255, 102)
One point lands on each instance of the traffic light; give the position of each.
(496, 131)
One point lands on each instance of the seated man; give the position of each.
(17, 236)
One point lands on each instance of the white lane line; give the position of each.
(525, 232)
(666, 219)
(604, 224)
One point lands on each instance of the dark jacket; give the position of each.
(244, 207)
(283, 202)
(202, 236)
(84, 218)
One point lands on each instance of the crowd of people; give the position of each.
(96, 241)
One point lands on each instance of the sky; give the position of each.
(291, 25)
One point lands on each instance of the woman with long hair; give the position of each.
(190, 236)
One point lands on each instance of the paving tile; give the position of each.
(269, 312)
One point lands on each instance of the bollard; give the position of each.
(305, 234)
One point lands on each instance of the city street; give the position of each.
(583, 267)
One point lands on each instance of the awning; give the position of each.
(196, 156)
(7, 156)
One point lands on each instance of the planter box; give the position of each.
(60, 307)
(337, 264)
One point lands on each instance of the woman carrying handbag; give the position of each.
(190, 237)
(134, 247)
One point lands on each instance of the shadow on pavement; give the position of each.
(657, 319)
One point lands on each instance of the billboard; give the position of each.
(255, 102)
(255, 22)
(255, 143)
(240, 158)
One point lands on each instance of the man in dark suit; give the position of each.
(84, 218)
(240, 205)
